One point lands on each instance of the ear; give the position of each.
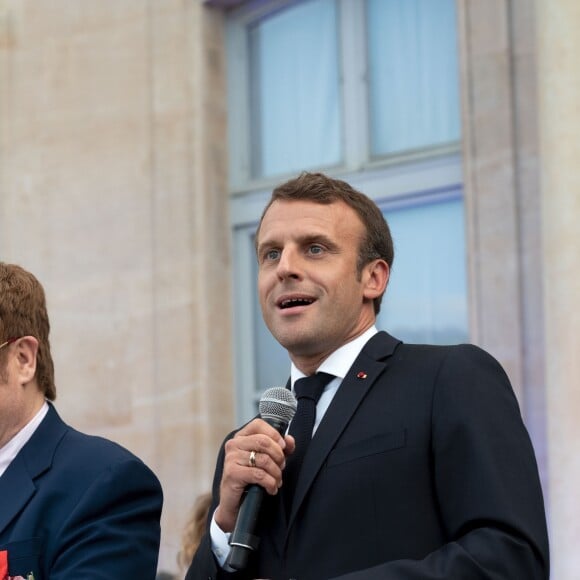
(26, 349)
(376, 276)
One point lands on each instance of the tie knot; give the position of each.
(311, 387)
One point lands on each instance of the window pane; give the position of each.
(426, 299)
(413, 74)
(294, 81)
(272, 361)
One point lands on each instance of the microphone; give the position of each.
(277, 407)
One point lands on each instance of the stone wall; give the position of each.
(559, 124)
(113, 192)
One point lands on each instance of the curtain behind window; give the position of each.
(294, 78)
(413, 75)
(426, 299)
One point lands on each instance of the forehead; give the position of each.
(307, 218)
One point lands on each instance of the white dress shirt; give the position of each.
(337, 364)
(11, 449)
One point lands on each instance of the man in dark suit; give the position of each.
(419, 466)
(71, 505)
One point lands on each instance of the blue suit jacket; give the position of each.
(421, 469)
(76, 506)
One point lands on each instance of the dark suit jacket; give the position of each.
(422, 469)
(74, 506)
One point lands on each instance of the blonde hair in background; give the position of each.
(194, 530)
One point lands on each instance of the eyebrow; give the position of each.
(300, 240)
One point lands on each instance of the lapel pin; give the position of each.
(361, 375)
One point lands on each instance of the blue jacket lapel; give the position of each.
(16, 489)
(17, 483)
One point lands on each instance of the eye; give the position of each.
(270, 255)
(315, 249)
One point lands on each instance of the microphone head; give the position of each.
(278, 404)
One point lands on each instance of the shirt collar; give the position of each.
(13, 447)
(340, 361)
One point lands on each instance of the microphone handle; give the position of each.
(244, 540)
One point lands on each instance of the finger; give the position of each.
(254, 459)
(261, 427)
(272, 460)
(241, 446)
(238, 474)
(257, 460)
(290, 445)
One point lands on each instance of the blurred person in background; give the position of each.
(194, 530)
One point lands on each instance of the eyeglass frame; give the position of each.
(9, 341)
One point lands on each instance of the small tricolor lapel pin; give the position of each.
(361, 375)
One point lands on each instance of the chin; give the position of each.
(299, 344)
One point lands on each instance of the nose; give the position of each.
(289, 264)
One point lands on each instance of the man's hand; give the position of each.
(269, 460)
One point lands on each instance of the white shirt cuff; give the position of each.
(220, 544)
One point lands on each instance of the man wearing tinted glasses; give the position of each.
(71, 505)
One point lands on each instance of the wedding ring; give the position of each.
(252, 460)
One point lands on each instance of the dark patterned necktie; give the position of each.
(307, 391)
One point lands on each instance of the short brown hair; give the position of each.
(319, 188)
(23, 313)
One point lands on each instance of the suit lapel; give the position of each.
(17, 485)
(16, 489)
(368, 366)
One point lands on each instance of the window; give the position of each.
(412, 70)
(294, 85)
(425, 301)
(366, 91)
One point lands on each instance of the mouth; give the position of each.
(294, 302)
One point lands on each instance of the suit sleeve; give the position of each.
(485, 478)
(204, 565)
(114, 530)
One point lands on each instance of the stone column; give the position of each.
(194, 404)
(559, 113)
(497, 44)
(490, 178)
